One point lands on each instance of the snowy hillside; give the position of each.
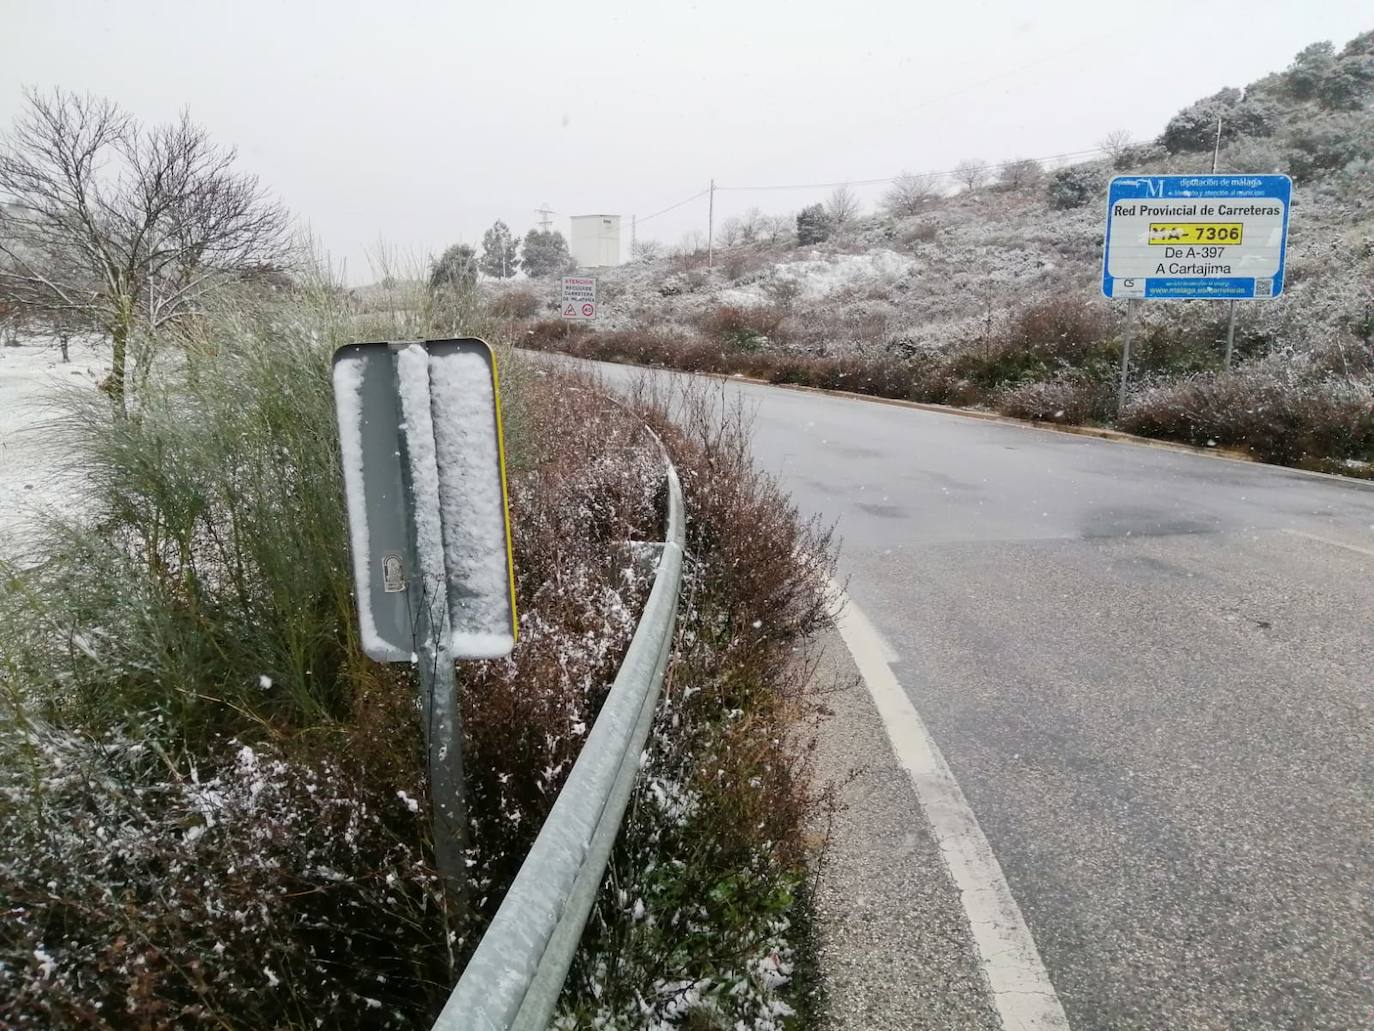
(954, 273)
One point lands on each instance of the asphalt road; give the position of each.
(1151, 672)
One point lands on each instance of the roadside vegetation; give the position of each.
(989, 296)
(214, 805)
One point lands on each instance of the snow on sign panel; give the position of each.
(437, 527)
(579, 297)
(1196, 236)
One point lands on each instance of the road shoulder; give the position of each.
(895, 947)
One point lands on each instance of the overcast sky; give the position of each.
(423, 122)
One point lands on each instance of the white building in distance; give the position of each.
(595, 240)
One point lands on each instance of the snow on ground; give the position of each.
(30, 376)
(820, 277)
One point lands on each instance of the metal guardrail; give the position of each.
(513, 980)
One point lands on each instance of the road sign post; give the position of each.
(578, 298)
(1230, 334)
(424, 480)
(1125, 356)
(1195, 237)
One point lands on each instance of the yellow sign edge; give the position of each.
(505, 492)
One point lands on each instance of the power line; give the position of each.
(947, 173)
(672, 207)
(917, 175)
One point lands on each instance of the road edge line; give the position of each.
(1017, 980)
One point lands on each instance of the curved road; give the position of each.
(1151, 673)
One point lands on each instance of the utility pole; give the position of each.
(711, 226)
(633, 220)
(544, 214)
(1231, 314)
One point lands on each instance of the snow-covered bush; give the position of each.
(1068, 398)
(1074, 186)
(1267, 409)
(744, 329)
(701, 920)
(145, 888)
(1236, 113)
(813, 225)
(1329, 144)
(515, 303)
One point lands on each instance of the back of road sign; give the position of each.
(424, 478)
(1220, 237)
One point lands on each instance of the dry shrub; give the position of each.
(921, 377)
(741, 261)
(743, 328)
(1061, 324)
(920, 232)
(516, 303)
(706, 879)
(1292, 421)
(591, 483)
(1066, 399)
(1043, 341)
(654, 347)
(550, 334)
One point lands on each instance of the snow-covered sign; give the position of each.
(579, 297)
(1197, 236)
(424, 475)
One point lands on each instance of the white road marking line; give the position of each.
(1020, 986)
(1327, 540)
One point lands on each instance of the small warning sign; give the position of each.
(579, 297)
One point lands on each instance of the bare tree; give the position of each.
(9, 325)
(646, 250)
(843, 206)
(750, 225)
(730, 232)
(776, 228)
(1115, 143)
(910, 194)
(971, 174)
(1020, 174)
(124, 227)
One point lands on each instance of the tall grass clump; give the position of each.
(208, 794)
(211, 554)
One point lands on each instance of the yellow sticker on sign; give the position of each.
(1182, 233)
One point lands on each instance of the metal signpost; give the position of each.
(1197, 237)
(579, 297)
(425, 485)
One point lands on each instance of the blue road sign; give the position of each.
(1218, 237)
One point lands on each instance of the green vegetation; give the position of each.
(216, 806)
